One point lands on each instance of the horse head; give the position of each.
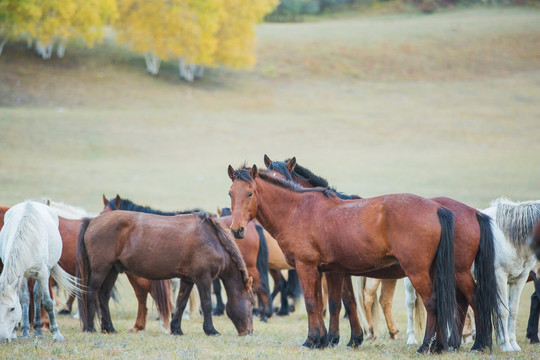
(243, 195)
(10, 310)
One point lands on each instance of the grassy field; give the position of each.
(446, 104)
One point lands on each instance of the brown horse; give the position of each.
(473, 242)
(387, 236)
(253, 249)
(192, 247)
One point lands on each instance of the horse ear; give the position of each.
(267, 160)
(254, 171)
(117, 201)
(291, 164)
(249, 283)
(105, 201)
(48, 202)
(230, 170)
(219, 211)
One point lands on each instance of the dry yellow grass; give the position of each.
(446, 104)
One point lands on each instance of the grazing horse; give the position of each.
(193, 247)
(254, 250)
(30, 246)
(512, 227)
(387, 236)
(473, 242)
(288, 288)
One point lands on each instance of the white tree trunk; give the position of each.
(2, 43)
(45, 51)
(61, 49)
(152, 63)
(187, 71)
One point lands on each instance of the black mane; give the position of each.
(128, 205)
(245, 175)
(307, 175)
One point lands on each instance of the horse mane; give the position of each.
(128, 205)
(27, 230)
(517, 219)
(245, 174)
(66, 211)
(228, 244)
(306, 174)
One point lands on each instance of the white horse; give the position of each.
(30, 246)
(512, 227)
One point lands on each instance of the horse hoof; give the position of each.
(64, 312)
(515, 346)
(59, 337)
(212, 332)
(534, 340)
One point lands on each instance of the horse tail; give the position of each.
(66, 281)
(262, 267)
(160, 292)
(486, 292)
(359, 286)
(83, 272)
(445, 283)
(294, 288)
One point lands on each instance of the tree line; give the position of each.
(196, 33)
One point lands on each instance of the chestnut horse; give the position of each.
(388, 236)
(193, 247)
(473, 242)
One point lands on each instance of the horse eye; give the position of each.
(250, 194)
(12, 309)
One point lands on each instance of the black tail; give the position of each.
(160, 292)
(294, 289)
(486, 292)
(445, 283)
(83, 273)
(262, 268)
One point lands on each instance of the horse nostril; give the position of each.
(241, 231)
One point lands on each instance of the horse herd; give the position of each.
(454, 257)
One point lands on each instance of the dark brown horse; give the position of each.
(387, 236)
(254, 250)
(473, 242)
(192, 247)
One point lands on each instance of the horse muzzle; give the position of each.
(239, 234)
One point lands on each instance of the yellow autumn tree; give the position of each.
(196, 32)
(236, 35)
(46, 22)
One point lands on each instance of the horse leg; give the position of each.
(324, 285)
(502, 282)
(68, 307)
(357, 335)
(388, 287)
(285, 308)
(410, 302)
(334, 283)
(468, 328)
(43, 284)
(463, 306)
(142, 311)
(37, 310)
(423, 285)
(534, 314)
(24, 297)
(515, 290)
(94, 285)
(204, 287)
(220, 306)
(104, 296)
(181, 302)
(370, 292)
(310, 278)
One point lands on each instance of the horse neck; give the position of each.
(232, 278)
(274, 205)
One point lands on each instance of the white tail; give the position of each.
(66, 281)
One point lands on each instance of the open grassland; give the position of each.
(447, 104)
